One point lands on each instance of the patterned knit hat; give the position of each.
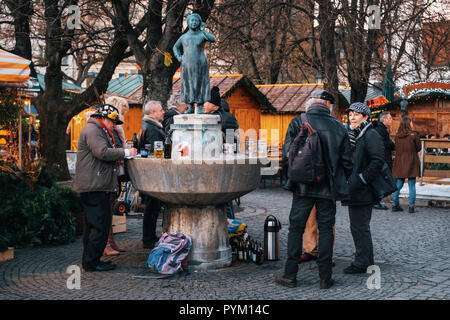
(360, 108)
(108, 111)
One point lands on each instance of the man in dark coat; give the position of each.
(337, 155)
(152, 130)
(382, 128)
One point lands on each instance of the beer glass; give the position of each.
(158, 150)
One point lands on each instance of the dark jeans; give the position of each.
(360, 228)
(97, 222)
(151, 212)
(300, 210)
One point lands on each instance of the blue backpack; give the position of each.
(170, 254)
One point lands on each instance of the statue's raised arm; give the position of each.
(194, 66)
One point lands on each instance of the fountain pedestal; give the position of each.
(207, 226)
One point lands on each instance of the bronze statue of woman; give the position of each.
(194, 66)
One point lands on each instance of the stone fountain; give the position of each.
(196, 184)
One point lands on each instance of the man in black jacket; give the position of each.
(218, 106)
(382, 128)
(152, 130)
(337, 155)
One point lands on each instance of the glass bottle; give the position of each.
(135, 141)
(168, 146)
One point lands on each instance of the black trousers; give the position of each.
(151, 212)
(360, 228)
(300, 210)
(97, 222)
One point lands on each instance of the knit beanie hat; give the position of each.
(215, 96)
(360, 108)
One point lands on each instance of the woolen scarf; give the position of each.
(353, 134)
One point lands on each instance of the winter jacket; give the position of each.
(96, 168)
(389, 145)
(168, 119)
(228, 121)
(336, 152)
(406, 162)
(368, 159)
(152, 131)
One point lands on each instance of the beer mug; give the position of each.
(158, 150)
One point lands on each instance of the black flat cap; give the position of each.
(324, 95)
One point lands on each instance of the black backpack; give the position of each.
(306, 163)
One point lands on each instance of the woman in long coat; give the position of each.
(406, 162)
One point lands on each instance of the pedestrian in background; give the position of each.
(406, 162)
(382, 127)
(95, 180)
(368, 160)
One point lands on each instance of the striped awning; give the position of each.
(13, 68)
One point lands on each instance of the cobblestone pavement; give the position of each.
(411, 250)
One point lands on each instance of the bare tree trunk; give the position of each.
(55, 113)
(327, 23)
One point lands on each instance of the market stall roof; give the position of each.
(67, 86)
(421, 87)
(289, 98)
(125, 86)
(13, 68)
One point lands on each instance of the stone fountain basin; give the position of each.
(198, 183)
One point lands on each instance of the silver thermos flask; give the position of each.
(271, 238)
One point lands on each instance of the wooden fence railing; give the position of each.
(435, 152)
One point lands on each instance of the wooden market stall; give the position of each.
(428, 106)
